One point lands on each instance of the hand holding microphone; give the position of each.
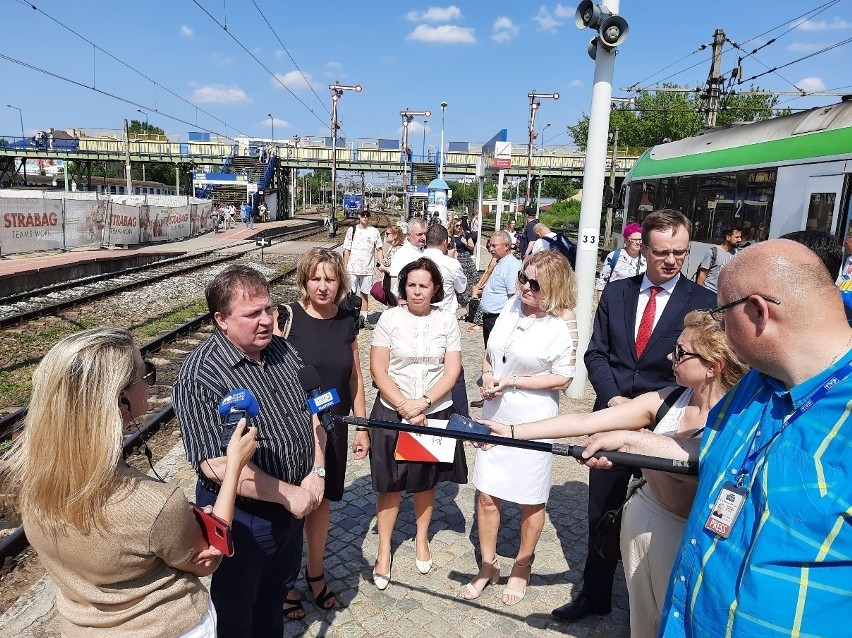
(237, 404)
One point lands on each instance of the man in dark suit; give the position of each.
(636, 325)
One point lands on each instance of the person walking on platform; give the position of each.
(362, 251)
(410, 251)
(717, 256)
(528, 237)
(636, 323)
(501, 284)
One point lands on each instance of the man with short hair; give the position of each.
(765, 551)
(411, 250)
(636, 324)
(717, 256)
(501, 285)
(527, 238)
(283, 482)
(362, 250)
(541, 231)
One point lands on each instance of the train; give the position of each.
(770, 177)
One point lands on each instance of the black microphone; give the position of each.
(319, 402)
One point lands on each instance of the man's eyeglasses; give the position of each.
(679, 353)
(719, 313)
(523, 279)
(150, 376)
(677, 254)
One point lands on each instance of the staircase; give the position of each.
(223, 194)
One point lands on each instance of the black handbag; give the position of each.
(608, 530)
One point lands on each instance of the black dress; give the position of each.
(326, 344)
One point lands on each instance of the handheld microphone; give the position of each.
(237, 404)
(319, 402)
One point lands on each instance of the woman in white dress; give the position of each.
(530, 358)
(705, 366)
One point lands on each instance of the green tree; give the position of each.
(673, 115)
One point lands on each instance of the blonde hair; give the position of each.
(556, 278)
(308, 264)
(65, 461)
(397, 236)
(711, 343)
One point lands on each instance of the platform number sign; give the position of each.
(588, 239)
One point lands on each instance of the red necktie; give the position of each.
(646, 326)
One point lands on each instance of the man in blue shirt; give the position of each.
(767, 549)
(502, 283)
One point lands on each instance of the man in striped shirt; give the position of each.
(283, 482)
(766, 550)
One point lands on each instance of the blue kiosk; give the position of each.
(439, 194)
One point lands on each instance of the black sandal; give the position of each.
(291, 606)
(325, 595)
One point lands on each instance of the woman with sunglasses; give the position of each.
(705, 367)
(530, 357)
(124, 549)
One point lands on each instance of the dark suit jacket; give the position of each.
(614, 370)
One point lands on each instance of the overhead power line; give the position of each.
(805, 57)
(127, 65)
(224, 28)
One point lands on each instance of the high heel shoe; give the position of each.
(381, 581)
(470, 591)
(517, 594)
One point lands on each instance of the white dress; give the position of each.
(525, 346)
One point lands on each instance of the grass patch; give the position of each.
(170, 320)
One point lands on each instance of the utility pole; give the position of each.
(714, 81)
(127, 158)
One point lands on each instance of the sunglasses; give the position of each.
(150, 376)
(679, 353)
(523, 279)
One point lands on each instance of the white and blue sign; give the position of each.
(323, 402)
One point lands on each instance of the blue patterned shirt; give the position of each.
(786, 569)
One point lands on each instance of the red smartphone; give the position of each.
(216, 531)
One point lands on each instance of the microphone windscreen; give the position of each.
(309, 379)
(239, 399)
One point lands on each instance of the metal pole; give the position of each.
(609, 209)
(534, 106)
(336, 92)
(406, 120)
(590, 208)
(272, 124)
(146, 133)
(23, 140)
(127, 158)
(423, 147)
(441, 170)
(540, 179)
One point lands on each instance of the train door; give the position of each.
(823, 202)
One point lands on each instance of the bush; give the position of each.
(562, 215)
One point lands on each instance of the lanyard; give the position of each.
(754, 452)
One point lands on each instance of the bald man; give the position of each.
(767, 548)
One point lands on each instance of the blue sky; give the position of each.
(480, 56)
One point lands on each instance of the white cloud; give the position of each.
(802, 47)
(219, 94)
(546, 22)
(575, 83)
(445, 34)
(811, 84)
(435, 14)
(293, 80)
(276, 121)
(186, 31)
(415, 128)
(562, 11)
(823, 25)
(333, 65)
(504, 30)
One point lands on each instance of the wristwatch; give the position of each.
(428, 402)
(319, 471)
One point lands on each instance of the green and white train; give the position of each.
(769, 177)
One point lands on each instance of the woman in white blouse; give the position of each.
(530, 358)
(415, 360)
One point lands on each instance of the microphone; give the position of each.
(237, 404)
(319, 402)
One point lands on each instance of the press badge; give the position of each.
(725, 510)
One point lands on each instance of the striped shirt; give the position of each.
(786, 569)
(216, 367)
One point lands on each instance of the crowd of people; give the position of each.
(757, 545)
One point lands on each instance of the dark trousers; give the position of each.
(459, 394)
(248, 590)
(488, 321)
(607, 490)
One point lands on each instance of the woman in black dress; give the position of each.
(325, 337)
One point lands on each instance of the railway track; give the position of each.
(53, 299)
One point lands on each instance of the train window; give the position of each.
(716, 206)
(820, 209)
(755, 194)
